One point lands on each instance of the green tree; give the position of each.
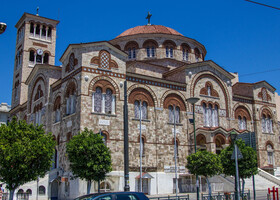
(247, 165)
(25, 153)
(89, 157)
(204, 163)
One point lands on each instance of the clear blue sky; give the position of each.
(239, 36)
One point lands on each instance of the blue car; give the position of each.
(114, 196)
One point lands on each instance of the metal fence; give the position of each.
(183, 197)
(20, 196)
(225, 196)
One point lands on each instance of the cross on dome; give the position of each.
(149, 18)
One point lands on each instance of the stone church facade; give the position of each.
(162, 68)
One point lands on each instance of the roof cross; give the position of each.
(149, 18)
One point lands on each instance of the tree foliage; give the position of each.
(204, 163)
(25, 153)
(247, 165)
(89, 157)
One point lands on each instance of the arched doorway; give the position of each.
(220, 142)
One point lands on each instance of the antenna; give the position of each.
(37, 11)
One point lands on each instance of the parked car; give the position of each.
(114, 196)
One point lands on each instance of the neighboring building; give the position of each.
(4, 113)
(162, 68)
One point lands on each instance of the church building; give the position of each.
(162, 68)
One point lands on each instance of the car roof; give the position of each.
(103, 193)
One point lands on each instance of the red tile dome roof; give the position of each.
(149, 29)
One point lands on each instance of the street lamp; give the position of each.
(3, 27)
(192, 101)
(233, 136)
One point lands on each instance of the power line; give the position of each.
(271, 70)
(262, 4)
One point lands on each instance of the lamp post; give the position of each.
(125, 129)
(233, 136)
(175, 150)
(192, 101)
(3, 27)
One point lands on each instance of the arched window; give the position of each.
(270, 156)
(98, 100)
(172, 114)
(16, 90)
(104, 102)
(197, 54)
(169, 46)
(185, 51)
(42, 190)
(150, 46)
(71, 99)
(44, 31)
(56, 109)
(38, 113)
(20, 191)
(37, 30)
(29, 192)
(143, 106)
(211, 115)
(267, 123)
(131, 47)
(201, 142)
(105, 187)
(32, 28)
(104, 138)
(108, 101)
(219, 141)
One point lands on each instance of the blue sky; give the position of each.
(239, 36)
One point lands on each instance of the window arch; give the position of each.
(175, 104)
(150, 46)
(104, 97)
(242, 115)
(105, 186)
(169, 47)
(39, 31)
(104, 135)
(131, 48)
(56, 109)
(185, 51)
(29, 192)
(20, 191)
(201, 142)
(140, 97)
(70, 98)
(72, 62)
(140, 108)
(220, 142)
(209, 90)
(210, 114)
(267, 122)
(263, 94)
(197, 54)
(42, 190)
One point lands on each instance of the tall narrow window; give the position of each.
(44, 31)
(32, 56)
(98, 100)
(263, 124)
(148, 51)
(37, 30)
(177, 114)
(136, 109)
(108, 101)
(104, 138)
(49, 32)
(46, 58)
(142, 146)
(205, 114)
(169, 52)
(197, 54)
(215, 121)
(32, 27)
(144, 107)
(39, 59)
(170, 114)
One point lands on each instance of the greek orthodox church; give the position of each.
(162, 69)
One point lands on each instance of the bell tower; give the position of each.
(35, 44)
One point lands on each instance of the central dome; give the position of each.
(149, 29)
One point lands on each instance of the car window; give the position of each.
(107, 197)
(126, 197)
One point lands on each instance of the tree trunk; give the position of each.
(98, 186)
(209, 186)
(88, 187)
(11, 194)
(243, 185)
